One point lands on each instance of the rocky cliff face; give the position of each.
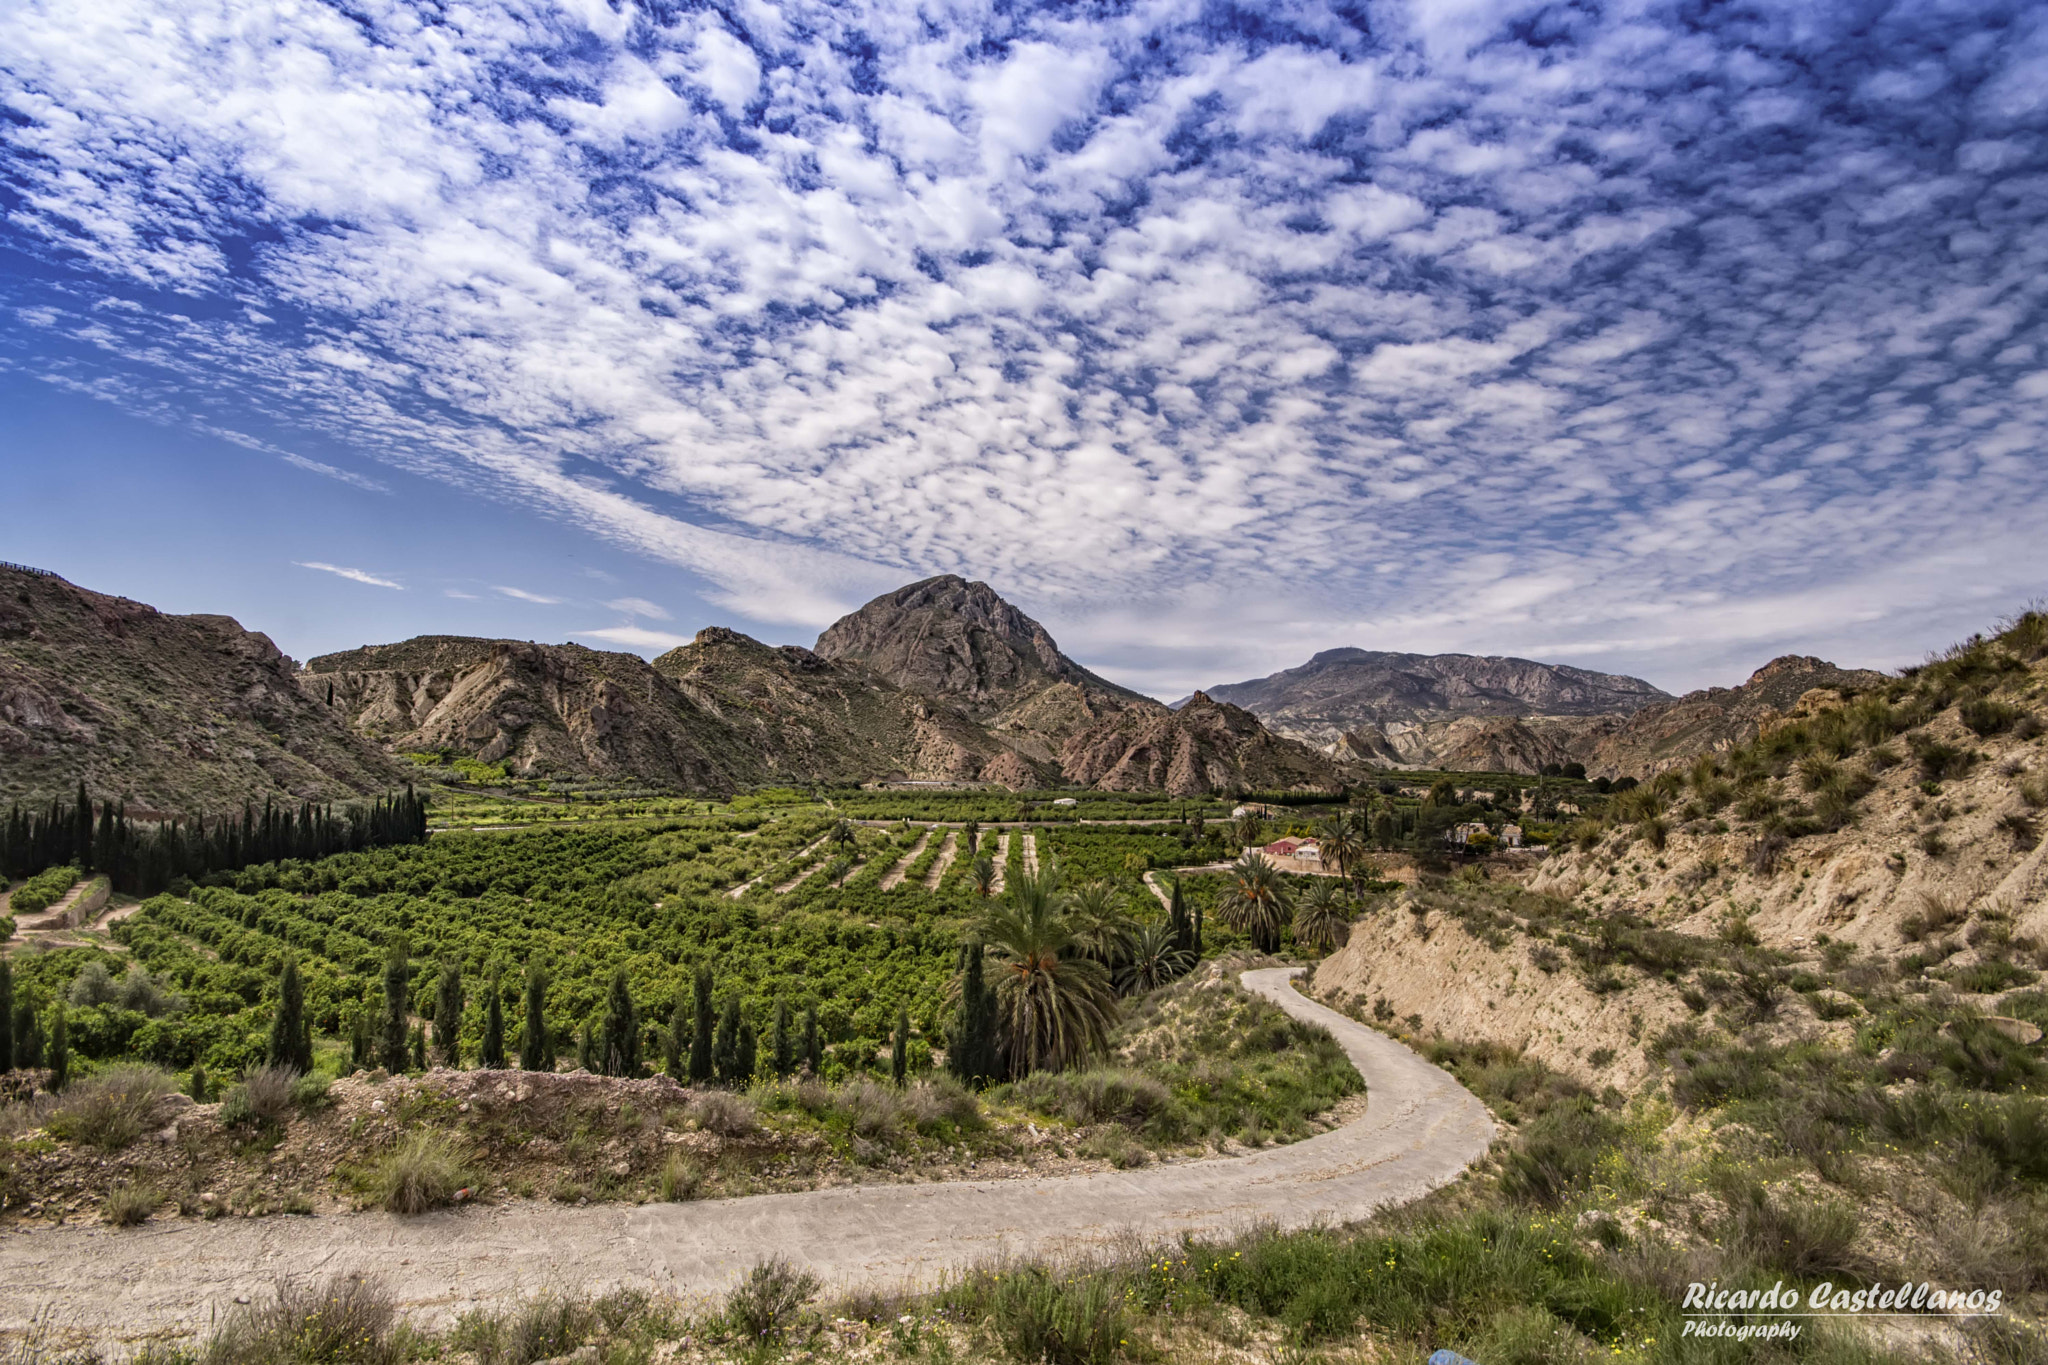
(1204, 746)
(1671, 733)
(961, 643)
(539, 709)
(176, 714)
(813, 718)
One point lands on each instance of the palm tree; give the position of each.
(1095, 913)
(1342, 840)
(1255, 901)
(1054, 1006)
(1156, 958)
(984, 873)
(842, 833)
(1322, 918)
(1248, 828)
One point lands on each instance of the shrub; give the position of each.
(546, 1327)
(1040, 1318)
(1116, 1146)
(765, 1305)
(1099, 1095)
(43, 890)
(1986, 718)
(1939, 761)
(1558, 1153)
(726, 1114)
(126, 1204)
(310, 1091)
(681, 1177)
(111, 1109)
(345, 1320)
(941, 1100)
(424, 1172)
(264, 1096)
(1936, 913)
(1788, 1232)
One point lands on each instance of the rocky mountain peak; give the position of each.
(960, 642)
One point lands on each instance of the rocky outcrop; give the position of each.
(1345, 691)
(1204, 746)
(1672, 733)
(962, 644)
(541, 710)
(187, 714)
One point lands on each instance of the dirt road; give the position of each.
(1419, 1130)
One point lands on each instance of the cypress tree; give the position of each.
(899, 1047)
(584, 1060)
(1177, 919)
(725, 1051)
(448, 1015)
(289, 1044)
(359, 1042)
(534, 1052)
(700, 1042)
(6, 1015)
(749, 1054)
(619, 1054)
(814, 1055)
(419, 1047)
(492, 1055)
(60, 1048)
(971, 1054)
(782, 1046)
(28, 1037)
(672, 1054)
(397, 1011)
(197, 1089)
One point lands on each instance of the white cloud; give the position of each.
(328, 471)
(524, 596)
(353, 575)
(638, 606)
(633, 637)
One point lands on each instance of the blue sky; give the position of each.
(1653, 338)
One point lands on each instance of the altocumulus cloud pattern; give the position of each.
(1623, 330)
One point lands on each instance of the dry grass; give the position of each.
(111, 1109)
(424, 1172)
(346, 1320)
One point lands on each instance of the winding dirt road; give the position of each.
(1419, 1130)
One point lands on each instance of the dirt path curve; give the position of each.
(1030, 854)
(1419, 1130)
(896, 874)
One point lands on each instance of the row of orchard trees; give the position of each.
(1038, 986)
(144, 857)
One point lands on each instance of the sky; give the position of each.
(1659, 339)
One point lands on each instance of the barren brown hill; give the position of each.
(1205, 746)
(808, 717)
(191, 714)
(543, 710)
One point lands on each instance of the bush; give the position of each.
(111, 1109)
(726, 1114)
(424, 1172)
(264, 1096)
(309, 1091)
(1795, 1235)
(43, 890)
(546, 1327)
(1559, 1151)
(1040, 1318)
(126, 1204)
(765, 1305)
(345, 1320)
(1986, 718)
(681, 1178)
(1102, 1095)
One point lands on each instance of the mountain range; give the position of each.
(941, 680)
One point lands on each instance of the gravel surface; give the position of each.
(1420, 1129)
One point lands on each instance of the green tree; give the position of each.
(536, 1050)
(984, 874)
(700, 1038)
(972, 1054)
(289, 1044)
(1101, 928)
(675, 1042)
(28, 1037)
(1249, 829)
(726, 1049)
(970, 838)
(1342, 841)
(397, 1006)
(1178, 921)
(448, 1003)
(1442, 792)
(419, 1047)
(1156, 958)
(814, 1055)
(491, 1056)
(586, 1052)
(196, 1087)
(899, 1047)
(782, 1047)
(60, 1047)
(1054, 1005)
(619, 1051)
(359, 1041)
(1322, 917)
(1255, 901)
(6, 1016)
(1386, 827)
(843, 835)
